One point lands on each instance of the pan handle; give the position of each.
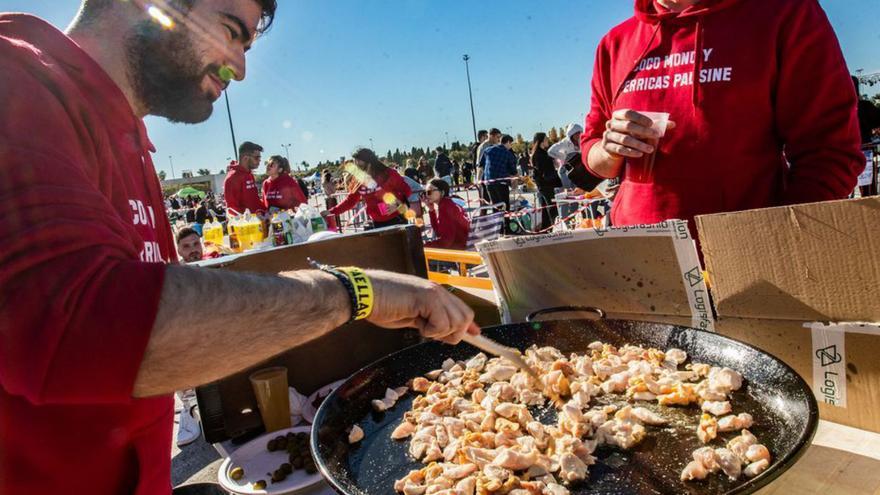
(562, 309)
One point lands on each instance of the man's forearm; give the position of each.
(603, 163)
(213, 323)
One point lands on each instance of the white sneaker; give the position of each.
(188, 429)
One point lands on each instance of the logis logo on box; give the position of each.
(829, 356)
(694, 277)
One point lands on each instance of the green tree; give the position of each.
(161, 175)
(519, 144)
(203, 171)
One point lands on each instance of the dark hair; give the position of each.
(92, 8)
(439, 149)
(375, 167)
(537, 140)
(506, 139)
(441, 186)
(494, 132)
(282, 162)
(248, 147)
(186, 232)
(481, 133)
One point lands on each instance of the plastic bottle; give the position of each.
(213, 233)
(277, 231)
(234, 227)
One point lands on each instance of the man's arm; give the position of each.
(211, 324)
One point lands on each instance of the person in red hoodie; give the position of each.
(449, 221)
(280, 190)
(762, 108)
(97, 325)
(380, 187)
(240, 187)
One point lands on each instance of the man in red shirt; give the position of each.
(763, 108)
(93, 322)
(240, 187)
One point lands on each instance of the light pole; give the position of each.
(287, 150)
(467, 69)
(231, 129)
(372, 147)
(447, 139)
(172, 166)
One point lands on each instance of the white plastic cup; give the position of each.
(660, 121)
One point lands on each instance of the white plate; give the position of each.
(308, 410)
(257, 461)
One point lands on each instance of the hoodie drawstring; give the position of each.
(698, 64)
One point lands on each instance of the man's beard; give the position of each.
(167, 74)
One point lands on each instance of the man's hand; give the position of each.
(403, 301)
(629, 134)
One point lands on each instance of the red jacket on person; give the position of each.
(450, 224)
(85, 238)
(240, 190)
(751, 85)
(378, 209)
(282, 192)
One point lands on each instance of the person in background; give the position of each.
(568, 146)
(382, 189)
(415, 204)
(328, 187)
(189, 245)
(546, 178)
(426, 173)
(522, 163)
(240, 187)
(411, 171)
(456, 173)
(744, 131)
(175, 204)
(467, 172)
(201, 213)
(442, 164)
(869, 116)
(448, 220)
(499, 168)
(492, 139)
(280, 190)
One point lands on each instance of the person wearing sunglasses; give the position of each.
(240, 187)
(448, 219)
(280, 190)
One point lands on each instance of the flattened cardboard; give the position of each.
(814, 262)
(336, 355)
(627, 272)
(773, 270)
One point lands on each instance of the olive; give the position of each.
(259, 485)
(311, 468)
(297, 462)
(236, 473)
(282, 443)
(302, 436)
(287, 468)
(278, 475)
(272, 446)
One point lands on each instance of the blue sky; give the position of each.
(334, 73)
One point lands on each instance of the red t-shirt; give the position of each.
(84, 240)
(240, 190)
(450, 224)
(378, 209)
(282, 192)
(764, 108)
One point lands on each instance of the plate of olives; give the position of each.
(275, 463)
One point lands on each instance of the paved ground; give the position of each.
(196, 462)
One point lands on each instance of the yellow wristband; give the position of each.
(363, 290)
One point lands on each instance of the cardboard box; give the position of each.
(771, 272)
(228, 407)
(774, 270)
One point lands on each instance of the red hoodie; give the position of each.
(378, 208)
(770, 78)
(84, 237)
(240, 190)
(282, 192)
(450, 224)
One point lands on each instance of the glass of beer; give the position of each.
(270, 387)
